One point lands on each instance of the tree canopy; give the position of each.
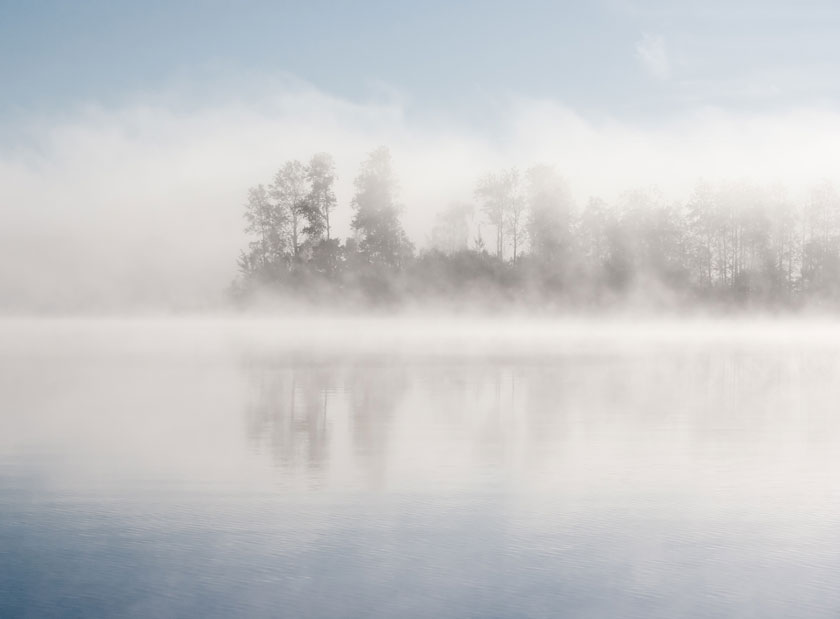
(726, 244)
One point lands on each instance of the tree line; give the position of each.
(526, 242)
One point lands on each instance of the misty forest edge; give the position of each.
(732, 244)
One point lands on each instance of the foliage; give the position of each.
(730, 244)
(382, 239)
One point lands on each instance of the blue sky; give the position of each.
(623, 59)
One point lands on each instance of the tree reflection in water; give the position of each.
(392, 421)
(287, 412)
(293, 407)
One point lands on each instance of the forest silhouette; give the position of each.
(525, 243)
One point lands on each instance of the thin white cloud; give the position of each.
(651, 52)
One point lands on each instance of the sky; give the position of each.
(625, 59)
(125, 127)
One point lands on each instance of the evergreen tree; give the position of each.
(376, 220)
(551, 208)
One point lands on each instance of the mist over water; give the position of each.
(474, 309)
(395, 468)
(138, 206)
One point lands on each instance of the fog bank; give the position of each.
(139, 207)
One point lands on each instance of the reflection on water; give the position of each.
(288, 410)
(582, 481)
(523, 418)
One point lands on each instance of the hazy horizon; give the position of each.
(125, 188)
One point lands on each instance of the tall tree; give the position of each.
(321, 199)
(504, 206)
(490, 191)
(290, 191)
(821, 247)
(652, 234)
(551, 207)
(267, 224)
(606, 257)
(452, 228)
(516, 205)
(376, 220)
(701, 225)
(785, 236)
(593, 234)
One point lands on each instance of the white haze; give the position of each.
(140, 207)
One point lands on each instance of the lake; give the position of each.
(314, 467)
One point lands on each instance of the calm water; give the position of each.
(165, 468)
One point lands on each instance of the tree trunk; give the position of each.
(327, 219)
(295, 234)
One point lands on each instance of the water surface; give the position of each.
(361, 469)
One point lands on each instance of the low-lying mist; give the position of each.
(140, 209)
